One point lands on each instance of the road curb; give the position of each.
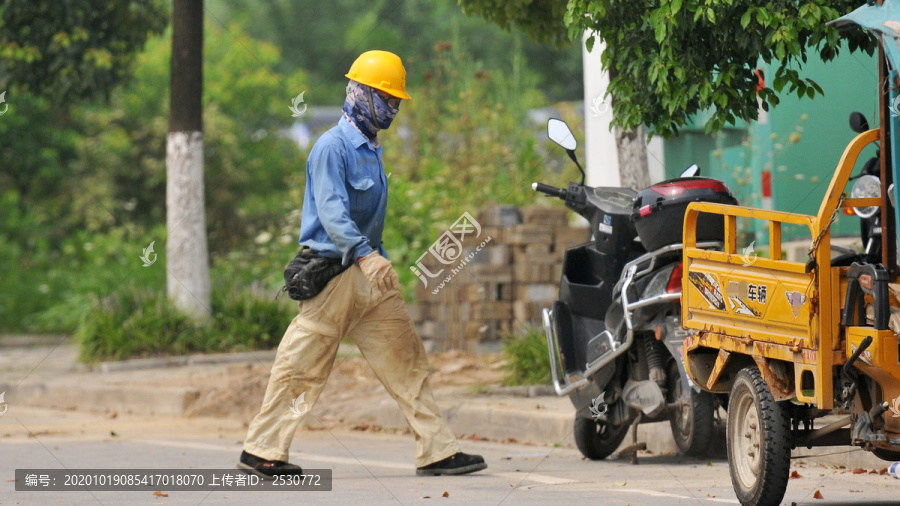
(101, 398)
(137, 364)
(259, 356)
(28, 341)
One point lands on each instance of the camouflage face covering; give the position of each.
(358, 107)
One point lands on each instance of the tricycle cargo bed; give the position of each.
(756, 310)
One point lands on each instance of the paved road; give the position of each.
(377, 468)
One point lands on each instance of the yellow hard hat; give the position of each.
(381, 70)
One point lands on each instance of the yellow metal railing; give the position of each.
(824, 304)
(731, 214)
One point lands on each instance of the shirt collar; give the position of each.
(356, 137)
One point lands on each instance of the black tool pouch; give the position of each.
(308, 273)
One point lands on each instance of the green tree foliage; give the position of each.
(244, 105)
(82, 188)
(541, 19)
(76, 49)
(671, 59)
(325, 37)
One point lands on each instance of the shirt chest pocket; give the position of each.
(363, 191)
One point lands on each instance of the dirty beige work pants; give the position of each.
(386, 338)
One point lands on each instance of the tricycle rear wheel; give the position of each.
(758, 441)
(597, 439)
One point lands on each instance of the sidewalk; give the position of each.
(467, 388)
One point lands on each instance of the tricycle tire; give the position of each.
(596, 439)
(693, 426)
(758, 438)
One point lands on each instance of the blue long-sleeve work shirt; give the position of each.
(346, 196)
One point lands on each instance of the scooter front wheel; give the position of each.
(597, 439)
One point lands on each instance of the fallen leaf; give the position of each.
(426, 497)
(513, 485)
(795, 474)
(851, 490)
(510, 440)
(882, 471)
(113, 433)
(709, 463)
(873, 471)
(818, 495)
(445, 494)
(709, 495)
(160, 494)
(112, 415)
(859, 470)
(505, 458)
(621, 483)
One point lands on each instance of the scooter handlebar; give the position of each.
(551, 191)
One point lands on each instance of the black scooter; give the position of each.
(614, 336)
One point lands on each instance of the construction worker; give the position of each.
(343, 220)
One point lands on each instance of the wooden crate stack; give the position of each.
(504, 285)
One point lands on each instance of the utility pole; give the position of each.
(187, 258)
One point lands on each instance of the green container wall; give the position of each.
(801, 143)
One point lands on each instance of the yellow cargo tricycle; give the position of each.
(791, 342)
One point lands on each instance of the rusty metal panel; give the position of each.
(721, 362)
(748, 301)
(779, 377)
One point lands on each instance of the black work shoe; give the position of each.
(267, 468)
(458, 463)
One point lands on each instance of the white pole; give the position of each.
(601, 156)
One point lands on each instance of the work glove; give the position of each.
(380, 274)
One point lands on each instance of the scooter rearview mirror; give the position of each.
(559, 132)
(858, 122)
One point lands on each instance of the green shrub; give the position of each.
(527, 359)
(142, 322)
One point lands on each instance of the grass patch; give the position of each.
(527, 359)
(140, 322)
